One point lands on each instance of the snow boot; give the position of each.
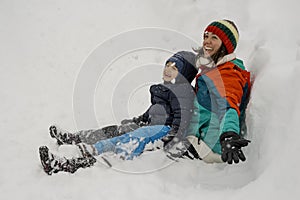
(54, 164)
(63, 137)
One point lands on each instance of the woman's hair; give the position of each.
(218, 55)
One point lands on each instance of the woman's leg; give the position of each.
(204, 152)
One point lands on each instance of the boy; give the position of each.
(168, 116)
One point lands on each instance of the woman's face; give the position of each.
(170, 72)
(211, 43)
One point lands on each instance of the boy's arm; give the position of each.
(175, 110)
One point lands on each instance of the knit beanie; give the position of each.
(226, 31)
(185, 63)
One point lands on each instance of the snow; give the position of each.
(45, 45)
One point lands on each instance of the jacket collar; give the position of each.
(228, 57)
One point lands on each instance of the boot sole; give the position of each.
(53, 131)
(44, 156)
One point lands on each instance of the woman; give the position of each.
(222, 89)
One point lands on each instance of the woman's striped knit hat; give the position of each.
(226, 31)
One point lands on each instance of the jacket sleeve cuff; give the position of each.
(230, 122)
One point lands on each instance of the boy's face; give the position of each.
(170, 72)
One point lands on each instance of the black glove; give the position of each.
(137, 120)
(231, 144)
(171, 135)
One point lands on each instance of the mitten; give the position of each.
(126, 121)
(137, 120)
(231, 144)
(140, 121)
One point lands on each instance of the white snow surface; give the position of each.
(43, 47)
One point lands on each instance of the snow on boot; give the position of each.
(54, 164)
(63, 137)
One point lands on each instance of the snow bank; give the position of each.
(43, 46)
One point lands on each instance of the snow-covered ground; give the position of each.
(45, 46)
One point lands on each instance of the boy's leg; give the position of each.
(133, 143)
(110, 144)
(84, 136)
(150, 135)
(93, 136)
